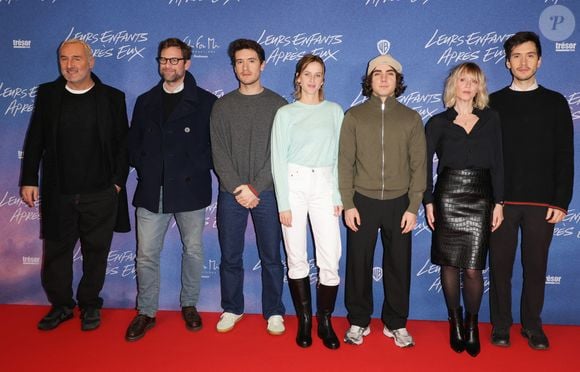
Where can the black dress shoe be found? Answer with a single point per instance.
(55, 316)
(138, 327)
(500, 337)
(90, 319)
(536, 339)
(191, 317)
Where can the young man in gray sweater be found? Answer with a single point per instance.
(241, 123)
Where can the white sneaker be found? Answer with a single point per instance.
(227, 322)
(401, 336)
(354, 335)
(276, 325)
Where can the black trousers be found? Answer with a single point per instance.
(90, 218)
(384, 215)
(536, 238)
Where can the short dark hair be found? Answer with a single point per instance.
(175, 42)
(520, 38)
(367, 87)
(240, 44)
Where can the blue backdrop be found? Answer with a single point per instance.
(427, 36)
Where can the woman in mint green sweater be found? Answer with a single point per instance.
(304, 165)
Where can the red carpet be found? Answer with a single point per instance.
(170, 347)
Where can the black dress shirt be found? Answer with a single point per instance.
(457, 149)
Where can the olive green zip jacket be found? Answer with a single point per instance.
(382, 153)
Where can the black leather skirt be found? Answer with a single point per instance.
(463, 206)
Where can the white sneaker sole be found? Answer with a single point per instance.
(388, 333)
(225, 330)
(351, 341)
(276, 333)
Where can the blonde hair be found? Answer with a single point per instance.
(481, 99)
(86, 47)
(300, 67)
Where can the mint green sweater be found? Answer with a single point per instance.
(305, 135)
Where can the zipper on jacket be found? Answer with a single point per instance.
(383, 150)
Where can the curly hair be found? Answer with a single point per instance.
(367, 88)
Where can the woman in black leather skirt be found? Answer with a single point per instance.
(466, 204)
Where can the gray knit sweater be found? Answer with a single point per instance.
(240, 138)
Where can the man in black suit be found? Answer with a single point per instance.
(79, 132)
(169, 146)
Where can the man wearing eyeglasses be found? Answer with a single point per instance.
(169, 146)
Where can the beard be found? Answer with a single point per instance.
(171, 76)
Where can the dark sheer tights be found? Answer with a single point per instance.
(472, 288)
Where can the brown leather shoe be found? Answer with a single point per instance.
(138, 327)
(191, 317)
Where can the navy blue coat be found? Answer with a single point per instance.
(175, 154)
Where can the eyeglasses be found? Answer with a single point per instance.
(173, 61)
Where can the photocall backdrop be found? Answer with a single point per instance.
(427, 36)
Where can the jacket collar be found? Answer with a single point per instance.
(451, 114)
(390, 102)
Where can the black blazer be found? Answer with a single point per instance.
(41, 144)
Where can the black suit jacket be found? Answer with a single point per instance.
(40, 146)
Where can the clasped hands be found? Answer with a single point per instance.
(245, 197)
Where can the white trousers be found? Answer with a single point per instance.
(310, 194)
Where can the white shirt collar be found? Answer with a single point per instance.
(77, 91)
(518, 89)
(176, 90)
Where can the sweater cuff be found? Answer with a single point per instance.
(253, 190)
(347, 199)
(414, 202)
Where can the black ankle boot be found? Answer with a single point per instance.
(471, 335)
(325, 301)
(300, 291)
(456, 339)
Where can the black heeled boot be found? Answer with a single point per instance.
(456, 339)
(471, 335)
(300, 291)
(325, 301)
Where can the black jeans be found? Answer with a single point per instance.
(536, 239)
(90, 218)
(386, 215)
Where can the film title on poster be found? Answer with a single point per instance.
(487, 47)
(289, 48)
(122, 44)
(194, 2)
(22, 212)
(426, 104)
(377, 3)
(20, 99)
(574, 103)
